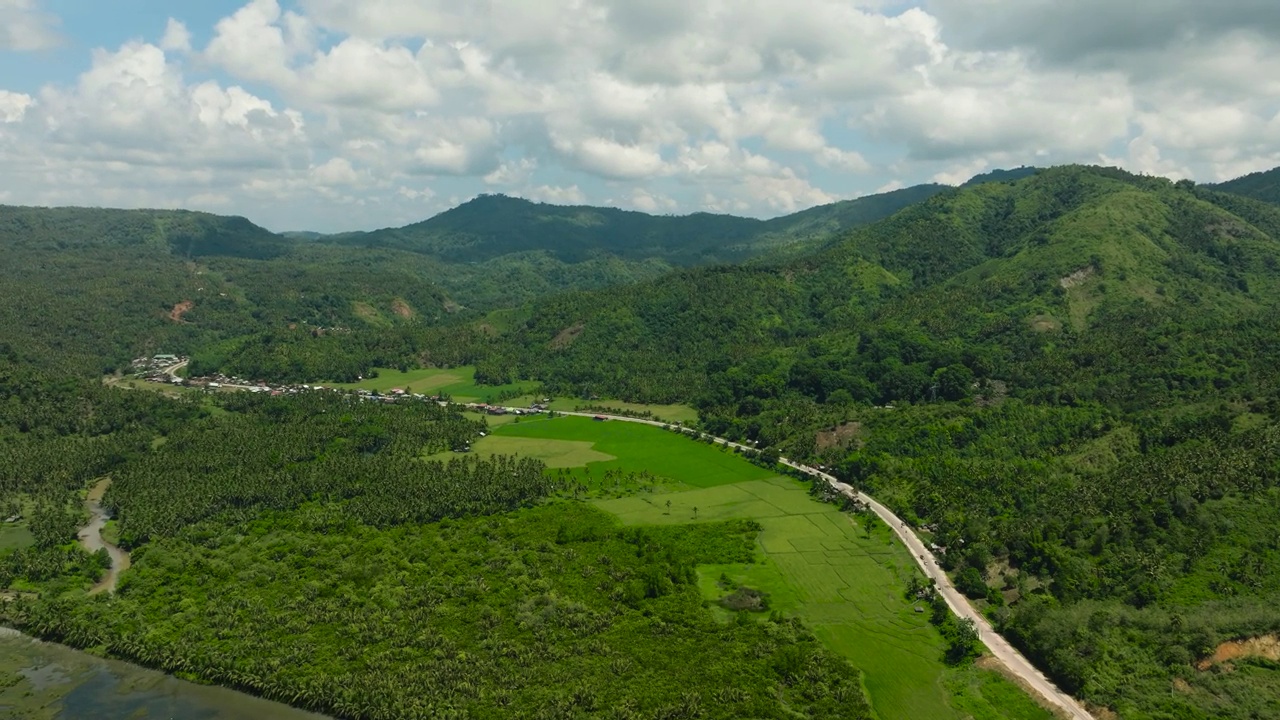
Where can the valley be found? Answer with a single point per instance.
(1006, 450)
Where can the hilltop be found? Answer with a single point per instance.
(1264, 186)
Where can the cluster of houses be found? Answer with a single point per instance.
(155, 368)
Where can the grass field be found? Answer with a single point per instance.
(459, 383)
(555, 453)
(636, 448)
(845, 581)
(665, 413)
(14, 536)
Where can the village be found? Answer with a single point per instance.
(163, 368)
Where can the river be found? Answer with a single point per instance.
(91, 538)
(44, 681)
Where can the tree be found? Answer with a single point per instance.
(954, 382)
(963, 641)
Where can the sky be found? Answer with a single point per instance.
(335, 115)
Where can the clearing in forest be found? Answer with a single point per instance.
(844, 576)
(555, 453)
(458, 382)
(639, 448)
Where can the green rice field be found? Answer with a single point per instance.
(842, 575)
(637, 448)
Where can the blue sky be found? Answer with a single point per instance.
(332, 115)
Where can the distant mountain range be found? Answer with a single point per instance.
(102, 283)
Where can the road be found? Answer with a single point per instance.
(1000, 648)
(172, 370)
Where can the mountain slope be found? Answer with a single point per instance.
(1264, 186)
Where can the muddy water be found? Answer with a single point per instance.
(42, 681)
(91, 538)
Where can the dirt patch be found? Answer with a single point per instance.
(841, 436)
(1267, 646)
(1077, 278)
(567, 336)
(401, 308)
(181, 309)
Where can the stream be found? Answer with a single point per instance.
(92, 541)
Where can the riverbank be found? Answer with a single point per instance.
(46, 681)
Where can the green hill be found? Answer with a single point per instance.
(1264, 186)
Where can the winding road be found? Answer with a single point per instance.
(1014, 661)
(92, 541)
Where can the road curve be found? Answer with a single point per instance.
(1000, 648)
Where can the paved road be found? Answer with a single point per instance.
(172, 370)
(999, 647)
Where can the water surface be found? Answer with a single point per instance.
(43, 681)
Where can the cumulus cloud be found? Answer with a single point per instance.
(177, 38)
(392, 109)
(24, 26)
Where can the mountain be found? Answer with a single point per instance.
(492, 226)
(1059, 249)
(94, 287)
(1264, 186)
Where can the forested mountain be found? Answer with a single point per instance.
(1050, 261)
(90, 288)
(492, 226)
(1263, 186)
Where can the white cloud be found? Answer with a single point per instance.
(392, 108)
(512, 173)
(24, 27)
(13, 106)
(177, 38)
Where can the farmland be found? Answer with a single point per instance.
(842, 575)
(639, 448)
